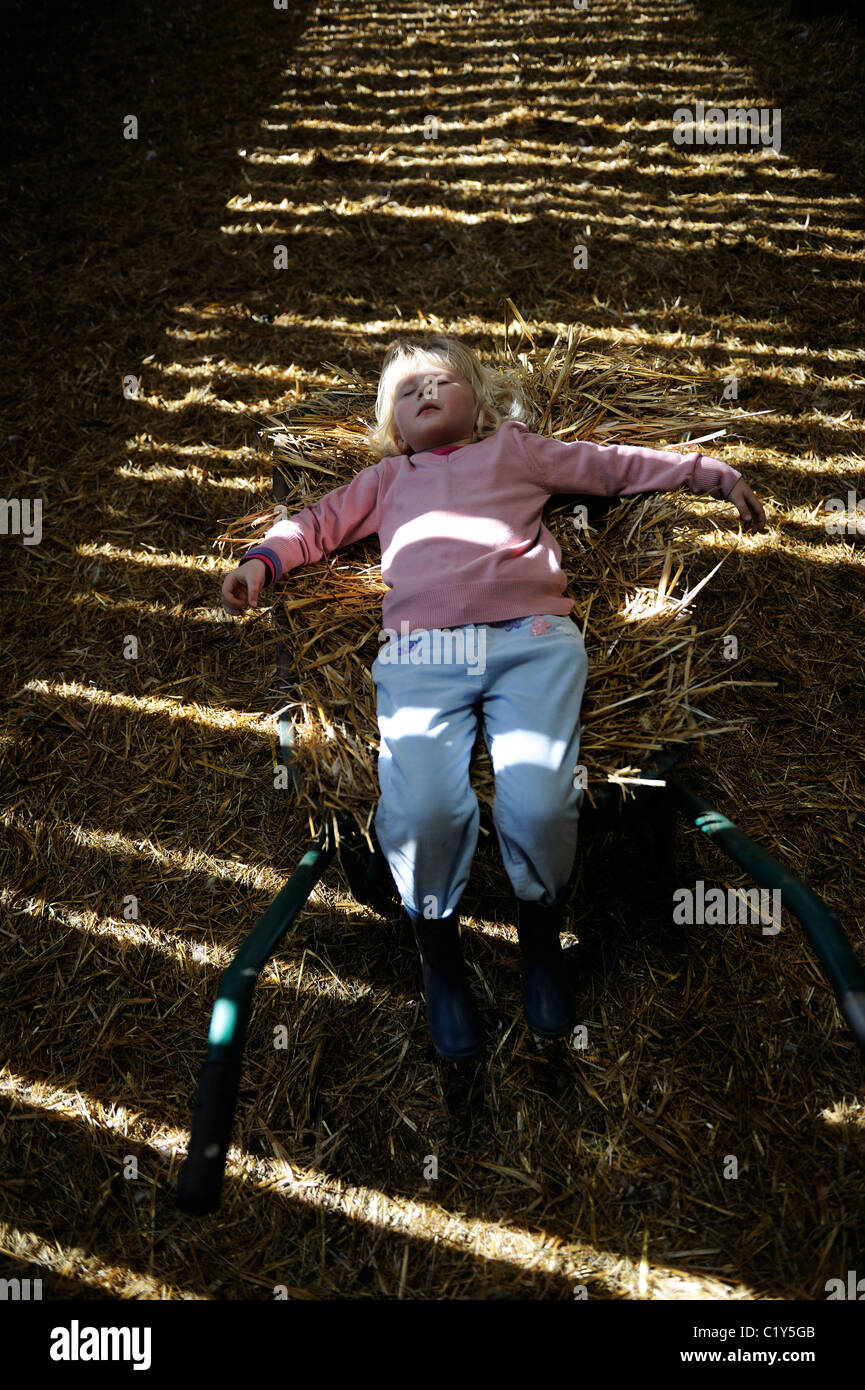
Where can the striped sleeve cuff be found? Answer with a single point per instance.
(268, 560)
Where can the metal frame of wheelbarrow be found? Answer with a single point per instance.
(200, 1183)
(654, 807)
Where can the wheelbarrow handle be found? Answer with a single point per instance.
(200, 1185)
(200, 1182)
(821, 926)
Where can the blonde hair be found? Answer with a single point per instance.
(498, 396)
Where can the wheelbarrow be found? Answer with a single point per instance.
(649, 815)
(651, 812)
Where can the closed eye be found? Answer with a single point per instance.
(442, 381)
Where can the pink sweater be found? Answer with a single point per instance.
(462, 539)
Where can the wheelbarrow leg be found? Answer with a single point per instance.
(654, 825)
(369, 876)
(380, 879)
(648, 822)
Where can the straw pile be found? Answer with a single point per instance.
(630, 571)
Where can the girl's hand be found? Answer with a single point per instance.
(749, 505)
(241, 586)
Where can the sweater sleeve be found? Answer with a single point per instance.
(617, 470)
(347, 514)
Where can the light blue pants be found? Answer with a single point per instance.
(526, 678)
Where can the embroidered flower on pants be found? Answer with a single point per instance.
(539, 626)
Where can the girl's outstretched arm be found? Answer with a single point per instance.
(349, 513)
(620, 470)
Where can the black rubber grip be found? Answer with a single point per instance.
(200, 1185)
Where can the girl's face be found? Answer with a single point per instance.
(434, 405)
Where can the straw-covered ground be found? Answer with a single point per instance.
(157, 361)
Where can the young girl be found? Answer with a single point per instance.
(478, 622)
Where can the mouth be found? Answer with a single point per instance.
(425, 408)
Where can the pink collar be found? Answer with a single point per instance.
(447, 448)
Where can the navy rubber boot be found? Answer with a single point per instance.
(548, 1000)
(452, 1016)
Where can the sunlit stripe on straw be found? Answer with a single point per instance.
(189, 861)
(70, 1262)
(159, 472)
(820, 550)
(487, 1240)
(343, 987)
(281, 1178)
(150, 704)
(154, 447)
(96, 1114)
(370, 1205)
(426, 1221)
(542, 326)
(137, 606)
(209, 370)
(201, 395)
(150, 558)
(125, 932)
